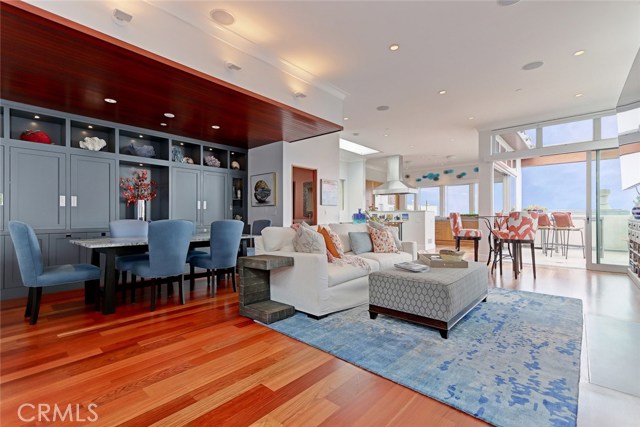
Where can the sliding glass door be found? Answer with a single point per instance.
(608, 210)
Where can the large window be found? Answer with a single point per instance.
(609, 127)
(498, 196)
(567, 133)
(556, 187)
(456, 199)
(430, 199)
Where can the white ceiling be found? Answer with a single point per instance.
(473, 49)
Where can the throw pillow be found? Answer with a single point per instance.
(360, 242)
(394, 231)
(337, 241)
(382, 241)
(309, 241)
(331, 247)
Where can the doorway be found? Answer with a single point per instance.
(304, 191)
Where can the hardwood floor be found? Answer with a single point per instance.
(203, 364)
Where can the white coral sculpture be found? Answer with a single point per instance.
(93, 143)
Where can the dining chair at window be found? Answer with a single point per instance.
(35, 275)
(128, 228)
(256, 230)
(168, 246)
(563, 226)
(459, 233)
(522, 228)
(499, 232)
(223, 252)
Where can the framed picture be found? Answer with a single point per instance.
(329, 192)
(262, 189)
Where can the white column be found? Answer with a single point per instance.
(485, 188)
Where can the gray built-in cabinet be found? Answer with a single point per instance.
(66, 192)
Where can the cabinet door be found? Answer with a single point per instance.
(2, 169)
(12, 278)
(63, 252)
(92, 196)
(214, 196)
(185, 190)
(37, 188)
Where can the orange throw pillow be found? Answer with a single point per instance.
(331, 247)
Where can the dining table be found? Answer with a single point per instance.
(112, 247)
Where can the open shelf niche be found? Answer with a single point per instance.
(157, 208)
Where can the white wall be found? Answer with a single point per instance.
(353, 174)
(320, 153)
(156, 30)
(267, 159)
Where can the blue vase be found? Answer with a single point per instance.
(359, 217)
(636, 212)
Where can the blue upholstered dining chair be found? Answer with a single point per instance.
(35, 275)
(223, 255)
(256, 230)
(128, 228)
(168, 246)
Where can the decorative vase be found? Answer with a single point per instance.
(359, 218)
(141, 210)
(636, 212)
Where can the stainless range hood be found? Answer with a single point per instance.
(394, 184)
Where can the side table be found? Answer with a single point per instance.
(255, 291)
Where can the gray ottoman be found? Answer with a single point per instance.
(437, 298)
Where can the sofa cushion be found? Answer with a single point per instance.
(278, 239)
(360, 242)
(386, 260)
(342, 230)
(343, 272)
(382, 241)
(309, 241)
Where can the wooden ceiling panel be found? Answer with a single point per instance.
(54, 63)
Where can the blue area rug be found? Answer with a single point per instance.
(512, 361)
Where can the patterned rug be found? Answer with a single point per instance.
(512, 361)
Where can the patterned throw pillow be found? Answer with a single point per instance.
(382, 241)
(394, 231)
(309, 241)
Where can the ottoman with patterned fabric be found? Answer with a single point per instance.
(438, 298)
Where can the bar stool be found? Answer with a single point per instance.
(564, 224)
(522, 228)
(499, 232)
(545, 226)
(460, 233)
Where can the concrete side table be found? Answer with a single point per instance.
(255, 291)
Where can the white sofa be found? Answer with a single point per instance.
(317, 287)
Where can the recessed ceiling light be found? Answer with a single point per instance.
(471, 117)
(532, 65)
(346, 118)
(140, 164)
(36, 116)
(578, 53)
(232, 153)
(451, 157)
(442, 92)
(386, 134)
(299, 94)
(394, 47)
(382, 108)
(356, 133)
(169, 115)
(411, 146)
(182, 143)
(90, 127)
(578, 95)
(215, 127)
(163, 124)
(518, 90)
(222, 17)
(121, 17)
(210, 149)
(110, 100)
(140, 136)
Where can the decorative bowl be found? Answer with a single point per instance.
(451, 255)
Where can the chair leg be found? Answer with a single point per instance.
(155, 283)
(501, 243)
(30, 298)
(233, 278)
(457, 243)
(533, 259)
(192, 280)
(180, 284)
(35, 306)
(133, 288)
(208, 277)
(475, 250)
(515, 258)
